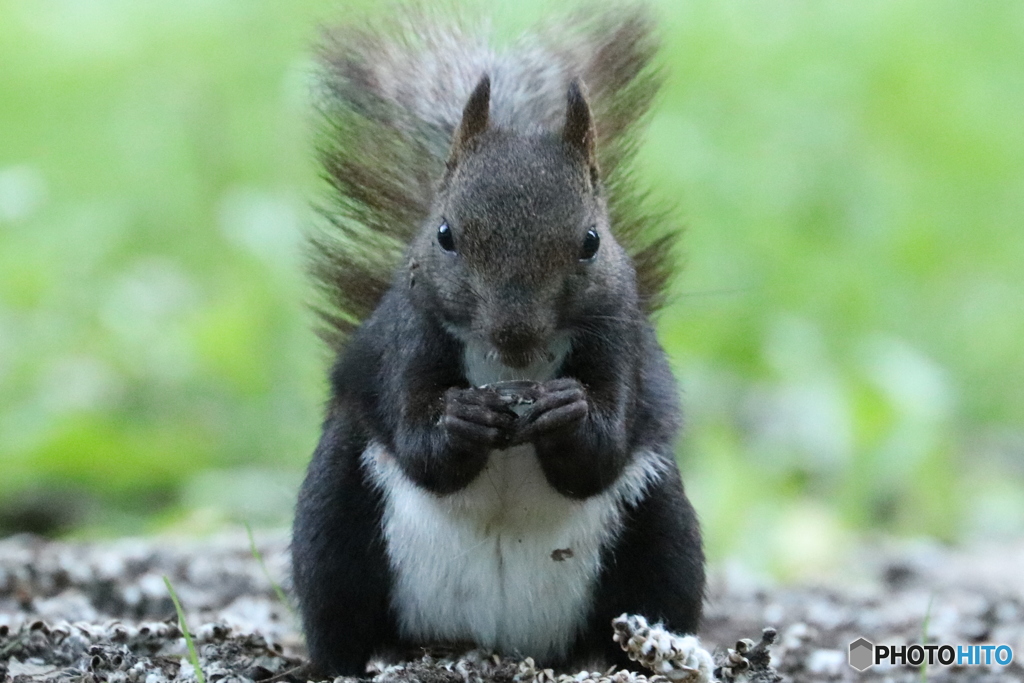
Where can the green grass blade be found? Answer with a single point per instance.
(193, 656)
(266, 572)
(924, 636)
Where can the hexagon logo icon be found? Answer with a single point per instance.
(862, 654)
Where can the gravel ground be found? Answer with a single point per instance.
(101, 612)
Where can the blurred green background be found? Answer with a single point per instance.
(848, 328)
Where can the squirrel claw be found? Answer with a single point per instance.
(562, 404)
(477, 416)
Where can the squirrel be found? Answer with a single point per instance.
(496, 465)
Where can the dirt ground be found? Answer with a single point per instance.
(101, 612)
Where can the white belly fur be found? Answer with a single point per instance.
(507, 563)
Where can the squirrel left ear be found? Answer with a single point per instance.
(579, 132)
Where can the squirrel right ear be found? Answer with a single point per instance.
(579, 132)
(474, 120)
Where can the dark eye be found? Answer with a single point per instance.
(445, 237)
(590, 244)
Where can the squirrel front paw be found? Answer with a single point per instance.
(477, 418)
(559, 404)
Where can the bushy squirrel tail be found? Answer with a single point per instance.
(392, 95)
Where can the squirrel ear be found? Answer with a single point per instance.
(579, 132)
(474, 120)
